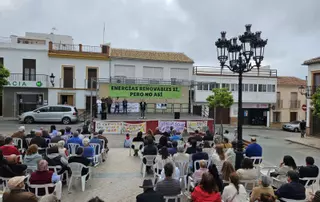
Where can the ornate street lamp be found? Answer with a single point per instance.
(306, 91)
(240, 56)
(52, 79)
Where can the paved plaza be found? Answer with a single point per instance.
(118, 179)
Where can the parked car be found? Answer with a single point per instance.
(56, 113)
(293, 126)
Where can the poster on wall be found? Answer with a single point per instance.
(145, 91)
(201, 126)
(132, 107)
(109, 127)
(161, 106)
(134, 128)
(164, 126)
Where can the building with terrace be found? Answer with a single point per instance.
(259, 93)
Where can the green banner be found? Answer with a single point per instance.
(144, 91)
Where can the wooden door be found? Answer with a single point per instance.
(293, 116)
(68, 77)
(92, 74)
(70, 100)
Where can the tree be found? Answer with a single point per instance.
(221, 97)
(315, 100)
(4, 74)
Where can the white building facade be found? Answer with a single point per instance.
(259, 93)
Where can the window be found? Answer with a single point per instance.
(226, 85)
(205, 86)
(213, 85)
(251, 87)
(92, 75)
(125, 70)
(234, 87)
(276, 117)
(1, 61)
(271, 88)
(29, 69)
(179, 73)
(199, 85)
(44, 109)
(152, 72)
(66, 109)
(245, 87)
(56, 109)
(262, 88)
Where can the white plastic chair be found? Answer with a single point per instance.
(76, 169)
(255, 159)
(36, 188)
(5, 183)
(97, 153)
(184, 170)
(176, 198)
(291, 200)
(18, 143)
(48, 140)
(157, 138)
(31, 169)
(52, 145)
(266, 170)
(89, 136)
(249, 184)
(314, 181)
(28, 140)
(197, 162)
(72, 147)
(56, 169)
(191, 184)
(149, 162)
(136, 146)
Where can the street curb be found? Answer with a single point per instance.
(248, 127)
(304, 144)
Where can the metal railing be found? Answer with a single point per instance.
(215, 71)
(128, 80)
(279, 104)
(294, 104)
(28, 77)
(76, 48)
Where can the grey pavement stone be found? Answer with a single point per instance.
(307, 141)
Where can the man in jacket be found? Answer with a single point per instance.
(143, 107)
(310, 170)
(18, 192)
(80, 159)
(253, 149)
(21, 134)
(148, 193)
(199, 156)
(39, 140)
(75, 139)
(293, 189)
(302, 127)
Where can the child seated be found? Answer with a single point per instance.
(127, 141)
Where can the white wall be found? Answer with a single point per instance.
(139, 64)
(311, 68)
(247, 97)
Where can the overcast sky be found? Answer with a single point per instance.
(190, 26)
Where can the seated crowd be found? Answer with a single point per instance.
(211, 174)
(43, 158)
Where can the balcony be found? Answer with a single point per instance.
(294, 104)
(79, 51)
(28, 80)
(67, 83)
(216, 71)
(129, 80)
(279, 104)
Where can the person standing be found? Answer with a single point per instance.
(125, 106)
(116, 105)
(303, 126)
(109, 103)
(143, 106)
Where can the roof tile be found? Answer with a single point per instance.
(290, 80)
(150, 55)
(312, 61)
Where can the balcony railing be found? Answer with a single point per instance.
(279, 104)
(28, 77)
(216, 71)
(294, 104)
(128, 80)
(79, 48)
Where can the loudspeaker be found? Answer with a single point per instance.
(177, 115)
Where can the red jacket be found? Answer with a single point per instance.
(199, 195)
(7, 150)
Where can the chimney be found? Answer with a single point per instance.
(106, 49)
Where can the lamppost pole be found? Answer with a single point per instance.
(239, 56)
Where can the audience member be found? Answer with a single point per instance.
(85, 130)
(310, 170)
(75, 139)
(9, 147)
(62, 150)
(148, 193)
(230, 153)
(138, 138)
(163, 141)
(32, 156)
(175, 136)
(247, 170)
(234, 191)
(263, 188)
(196, 136)
(15, 166)
(218, 158)
(197, 175)
(193, 148)
(49, 198)
(101, 137)
(226, 170)
(95, 139)
(39, 140)
(150, 134)
(68, 131)
(96, 199)
(18, 191)
(184, 132)
(45, 134)
(208, 136)
(157, 131)
(316, 197)
(207, 148)
(2, 139)
(162, 158)
(199, 156)
(54, 158)
(57, 138)
(88, 151)
(150, 148)
(293, 189)
(53, 128)
(32, 134)
(45, 176)
(21, 134)
(127, 142)
(214, 172)
(253, 149)
(5, 170)
(180, 156)
(287, 164)
(207, 190)
(173, 149)
(168, 186)
(264, 197)
(80, 159)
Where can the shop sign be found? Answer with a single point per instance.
(145, 91)
(33, 84)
